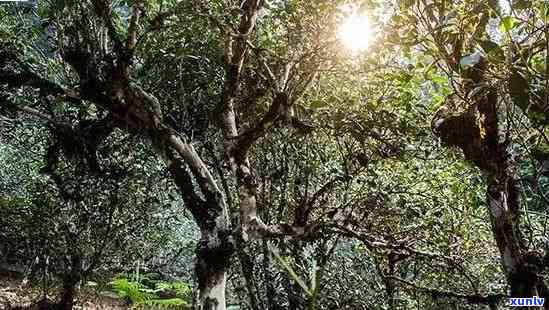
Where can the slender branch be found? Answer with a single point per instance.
(132, 28)
(372, 242)
(37, 113)
(437, 293)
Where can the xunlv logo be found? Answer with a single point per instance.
(528, 302)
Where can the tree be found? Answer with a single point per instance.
(70, 220)
(473, 118)
(280, 142)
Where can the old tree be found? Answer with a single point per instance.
(330, 154)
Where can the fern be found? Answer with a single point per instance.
(131, 290)
(140, 294)
(181, 289)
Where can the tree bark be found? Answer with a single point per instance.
(212, 264)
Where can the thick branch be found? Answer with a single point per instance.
(205, 180)
(104, 11)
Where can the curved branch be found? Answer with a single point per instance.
(491, 299)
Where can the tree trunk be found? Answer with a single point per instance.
(213, 256)
(216, 246)
(212, 277)
(522, 267)
(66, 302)
(70, 280)
(508, 239)
(477, 131)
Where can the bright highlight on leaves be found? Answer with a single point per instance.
(507, 23)
(356, 33)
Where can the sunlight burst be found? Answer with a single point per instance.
(356, 33)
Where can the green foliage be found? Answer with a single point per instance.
(181, 289)
(370, 162)
(507, 23)
(292, 273)
(140, 294)
(131, 290)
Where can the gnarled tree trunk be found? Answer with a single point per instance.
(216, 246)
(212, 263)
(475, 128)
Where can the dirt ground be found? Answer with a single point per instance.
(17, 293)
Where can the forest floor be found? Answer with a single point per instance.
(15, 292)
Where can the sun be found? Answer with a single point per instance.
(356, 33)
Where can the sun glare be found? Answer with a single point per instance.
(356, 33)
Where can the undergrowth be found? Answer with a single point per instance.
(146, 290)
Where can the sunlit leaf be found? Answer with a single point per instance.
(507, 23)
